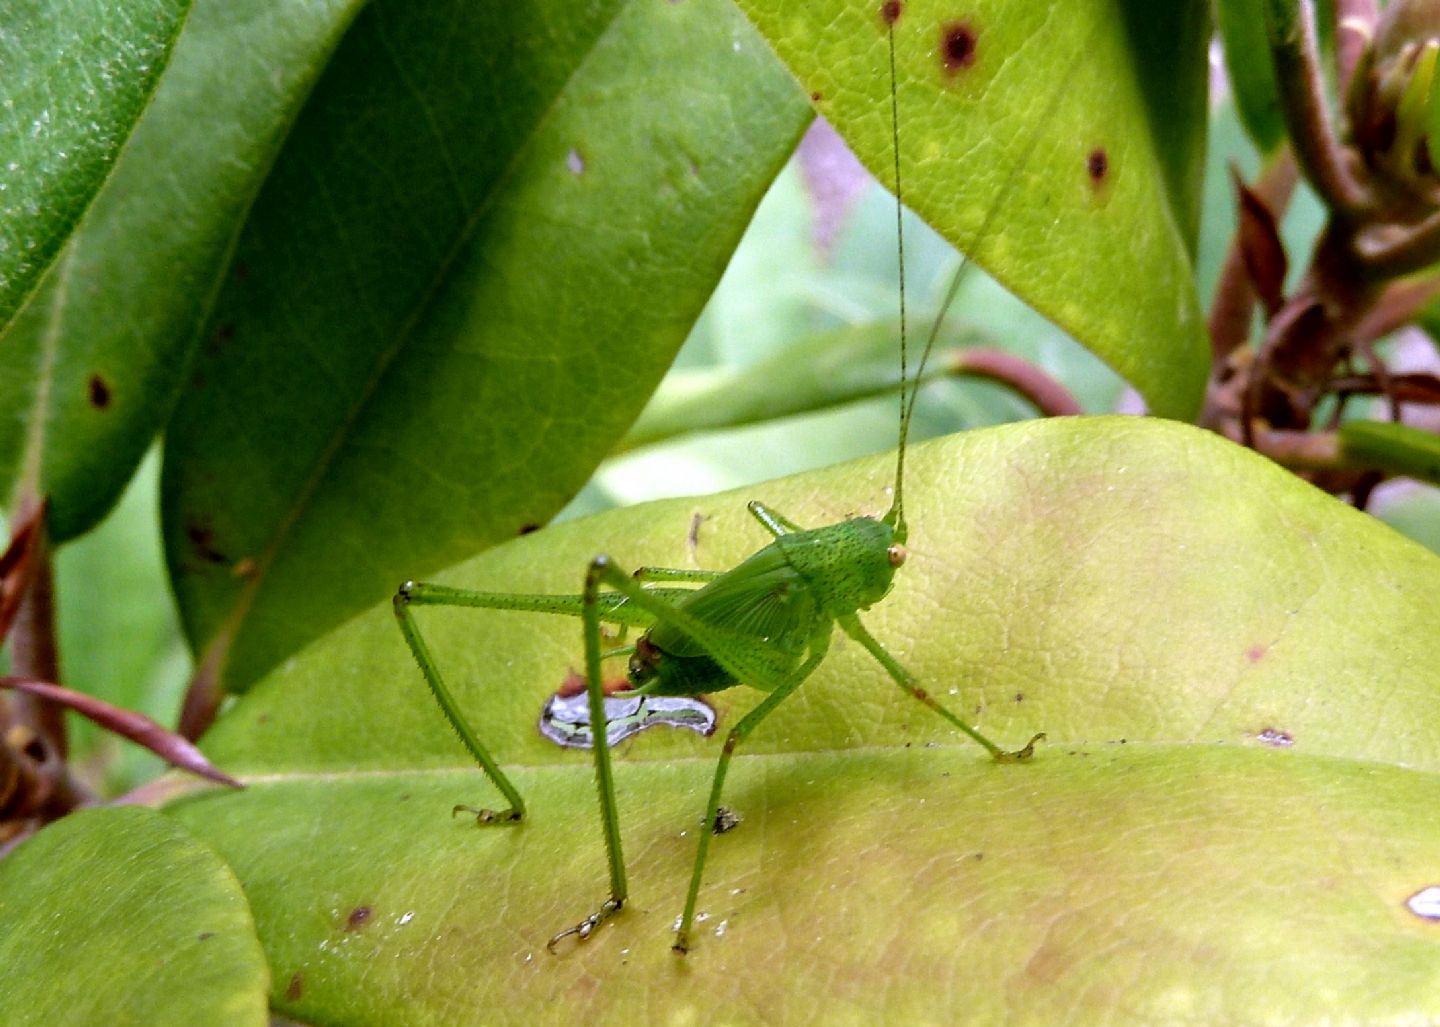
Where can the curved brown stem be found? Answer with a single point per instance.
(1046, 394)
(1290, 27)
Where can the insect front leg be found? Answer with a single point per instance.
(851, 626)
(417, 594)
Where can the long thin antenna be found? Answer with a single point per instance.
(896, 515)
(890, 10)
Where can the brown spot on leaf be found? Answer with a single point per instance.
(529, 527)
(890, 11)
(295, 988)
(358, 918)
(205, 936)
(958, 43)
(1097, 165)
(202, 541)
(219, 337)
(99, 392)
(816, 96)
(573, 683)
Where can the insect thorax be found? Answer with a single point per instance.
(849, 565)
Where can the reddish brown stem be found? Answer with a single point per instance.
(1046, 394)
(1302, 95)
(33, 650)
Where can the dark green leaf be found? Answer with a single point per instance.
(482, 245)
(77, 75)
(94, 362)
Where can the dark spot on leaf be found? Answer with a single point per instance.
(726, 819)
(241, 271)
(219, 337)
(205, 936)
(692, 538)
(978, 857)
(99, 392)
(295, 988)
(529, 527)
(958, 42)
(890, 11)
(1098, 164)
(202, 541)
(816, 97)
(1019, 696)
(359, 917)
(1274, 736)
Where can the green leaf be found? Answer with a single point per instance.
(95, 361)
(1251, 72)
(1394, 448)
(77, 75)
(126, 651)
(118, 917)
(1063, 151)
(1243, 757)
(819, 371)
(482, 245)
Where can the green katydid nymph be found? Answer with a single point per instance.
(766, 623)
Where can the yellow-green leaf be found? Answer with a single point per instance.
(1230, 822)
(121, 917)
(1060, 145)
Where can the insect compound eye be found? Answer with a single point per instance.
(897, 555)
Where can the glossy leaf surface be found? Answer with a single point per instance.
(1236, 673)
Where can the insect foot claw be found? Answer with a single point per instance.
(586, 927)
(1021, 755)
(486, 817)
